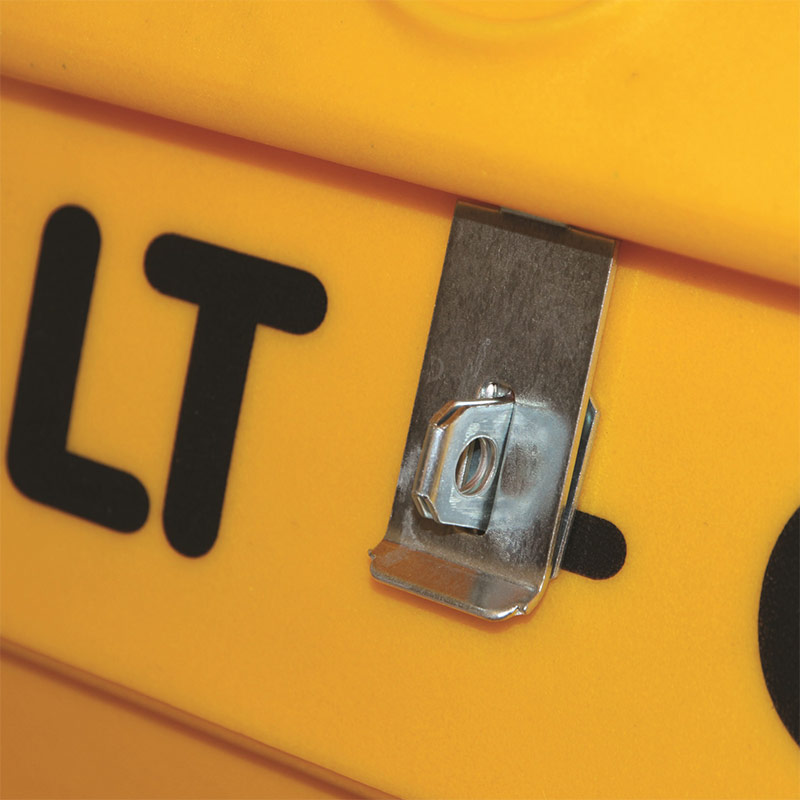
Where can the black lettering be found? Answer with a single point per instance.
(595, 548)
(38, 461)
(234, 292)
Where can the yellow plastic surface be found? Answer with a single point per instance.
(674, 124)
(63, 740)
(645, 685)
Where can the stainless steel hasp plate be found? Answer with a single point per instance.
(500, 424)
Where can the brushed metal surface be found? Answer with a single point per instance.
(521, 303)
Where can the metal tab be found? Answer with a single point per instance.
(487, 486)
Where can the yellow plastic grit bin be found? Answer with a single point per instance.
(336, 137)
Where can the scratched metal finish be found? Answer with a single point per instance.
(521, 303)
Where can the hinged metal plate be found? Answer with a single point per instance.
(520, 303)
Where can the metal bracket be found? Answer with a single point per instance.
(488, 484)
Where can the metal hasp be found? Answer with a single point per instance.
(502, 419)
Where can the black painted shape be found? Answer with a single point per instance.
(779, 626)
(595, 548)
(234, 292)
(38, 461)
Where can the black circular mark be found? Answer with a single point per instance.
(779, 626)
(595, 549)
